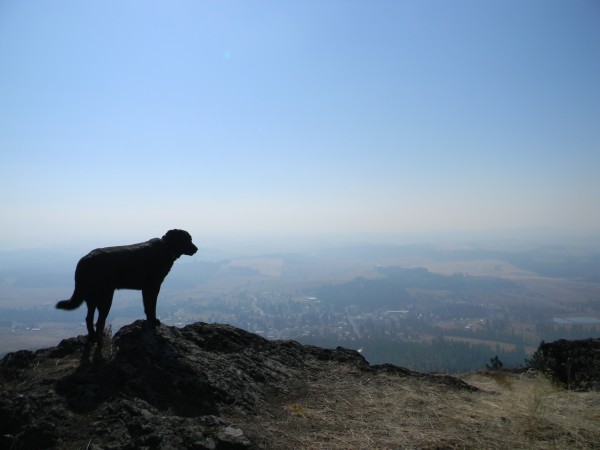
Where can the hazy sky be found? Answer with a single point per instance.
(127, 118)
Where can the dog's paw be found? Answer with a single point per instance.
(91, 339)
(153, 322)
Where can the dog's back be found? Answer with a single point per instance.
(125, 267)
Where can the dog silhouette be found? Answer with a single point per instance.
(141, 266)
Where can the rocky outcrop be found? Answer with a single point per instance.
(158, 387)
(576, 364)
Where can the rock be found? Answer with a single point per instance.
(447, 380)
(232, 437)
(576, 364)
(155, 387)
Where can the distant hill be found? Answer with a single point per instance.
(219, 387)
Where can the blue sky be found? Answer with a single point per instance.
(126, 118)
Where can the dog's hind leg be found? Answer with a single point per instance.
(104, 304)
(89, 318)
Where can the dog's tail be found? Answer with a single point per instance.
(73, 303)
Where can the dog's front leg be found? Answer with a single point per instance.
(150, 296)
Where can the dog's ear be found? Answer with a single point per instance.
(169, 235)
(177, 236)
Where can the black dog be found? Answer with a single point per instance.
(141, 266)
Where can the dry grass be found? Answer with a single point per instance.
(347, 409)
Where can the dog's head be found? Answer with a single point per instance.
(180, 243)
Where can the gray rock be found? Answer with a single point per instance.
(153, 387)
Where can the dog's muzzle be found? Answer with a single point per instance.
(191, 250)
